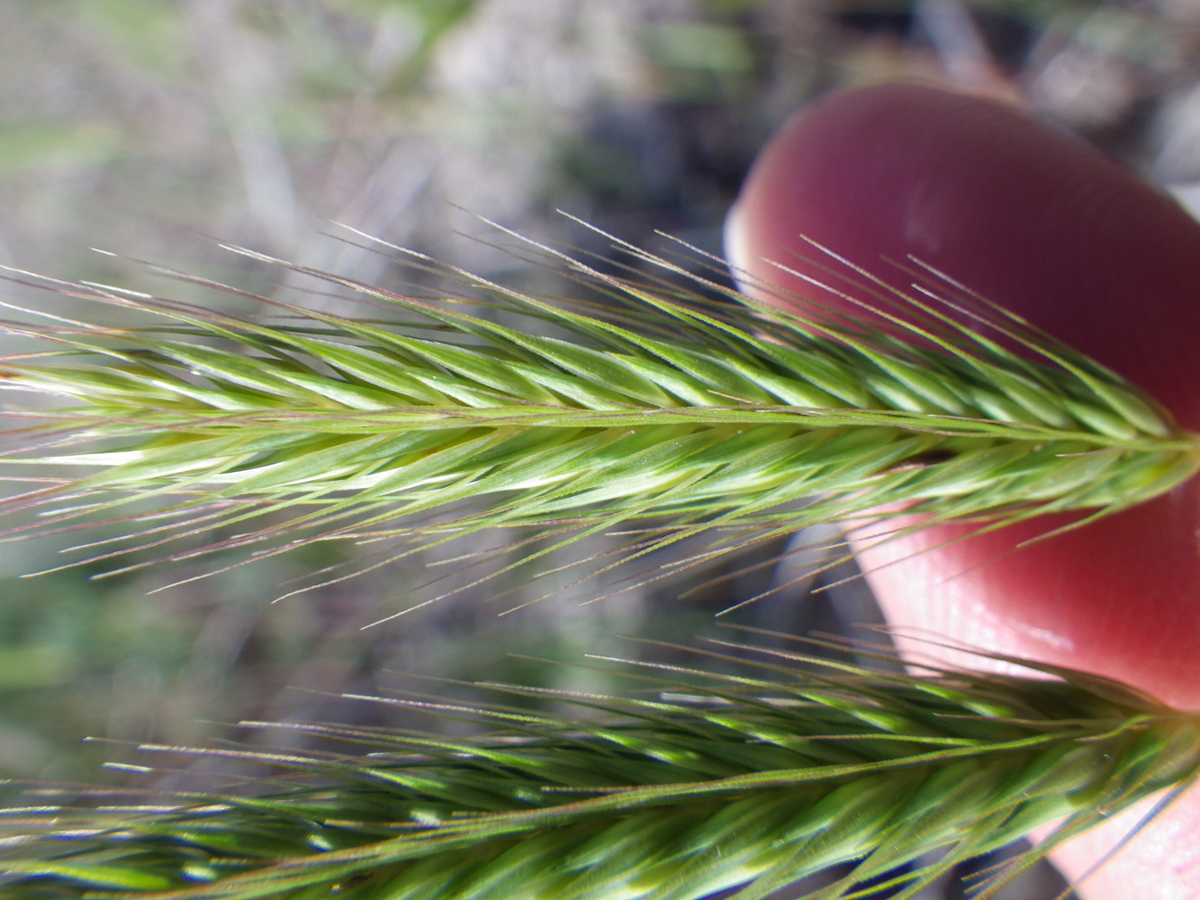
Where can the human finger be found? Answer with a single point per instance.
(1055, 231)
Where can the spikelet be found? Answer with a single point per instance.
(677, 409)
(758, 778)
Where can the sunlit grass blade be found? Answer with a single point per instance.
(757, 776)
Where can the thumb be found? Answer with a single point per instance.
(1057, 232)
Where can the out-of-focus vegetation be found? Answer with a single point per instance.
(147, 127)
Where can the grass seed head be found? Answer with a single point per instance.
(755, 778)
(666, 401)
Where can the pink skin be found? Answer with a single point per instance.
(1055, 231)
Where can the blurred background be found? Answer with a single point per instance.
(152, 127)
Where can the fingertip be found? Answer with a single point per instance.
(1052, 229)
